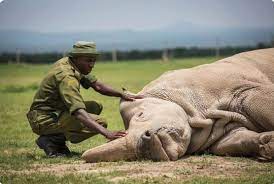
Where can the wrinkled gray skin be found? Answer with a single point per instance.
(225, 108)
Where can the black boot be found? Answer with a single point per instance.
(60, 141)
(54, 145)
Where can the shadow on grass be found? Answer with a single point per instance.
(73, 154)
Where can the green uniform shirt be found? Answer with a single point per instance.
(60, 89)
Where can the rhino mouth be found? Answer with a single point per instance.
(163, 144)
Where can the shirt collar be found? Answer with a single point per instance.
(76, 71)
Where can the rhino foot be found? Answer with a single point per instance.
(266, 147)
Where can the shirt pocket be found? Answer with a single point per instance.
(32, 118)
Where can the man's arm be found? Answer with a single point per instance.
(69, 92)
(108, 91)
(83, 116)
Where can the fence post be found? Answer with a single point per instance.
(18, 56)
(165, 55)
(217, 48)
(114, 55)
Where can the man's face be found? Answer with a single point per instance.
(84, 64)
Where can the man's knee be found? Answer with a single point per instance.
(82, 133)
(75, 138)
(93, 107)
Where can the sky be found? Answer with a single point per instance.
(93, 15)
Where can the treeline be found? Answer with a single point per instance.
(133, 55)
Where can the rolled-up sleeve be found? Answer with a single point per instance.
(69, 90)
(86, 80)
(91, 78)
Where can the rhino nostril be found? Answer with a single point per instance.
(146, 136)
(147, 133)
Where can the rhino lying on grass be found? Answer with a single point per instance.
(224, 108)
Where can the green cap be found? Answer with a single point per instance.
(83, 48)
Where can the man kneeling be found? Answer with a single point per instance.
(58, 112)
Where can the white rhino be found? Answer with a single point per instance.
(224, 108)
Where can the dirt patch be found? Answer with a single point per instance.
(210, 166)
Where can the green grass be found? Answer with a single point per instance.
(50, 179)
(18, 153)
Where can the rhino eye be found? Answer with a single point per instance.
(141, 116)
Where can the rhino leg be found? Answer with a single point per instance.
(243, 142)
(222, 119)
(258, 105)
(266, 147)
(203, 128)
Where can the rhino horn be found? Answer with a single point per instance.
(112, 151)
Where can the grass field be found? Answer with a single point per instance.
(22, 162)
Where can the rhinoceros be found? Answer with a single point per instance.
(222, 108)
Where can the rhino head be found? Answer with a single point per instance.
(157, 129)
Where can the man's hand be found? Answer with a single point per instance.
(107, 90)
(83, 116)
(131, 97)
(111, 135)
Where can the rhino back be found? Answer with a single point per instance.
(205, 84)
(262, 60)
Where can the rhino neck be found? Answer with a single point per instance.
(191, 103)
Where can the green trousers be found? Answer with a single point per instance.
(73, 129)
